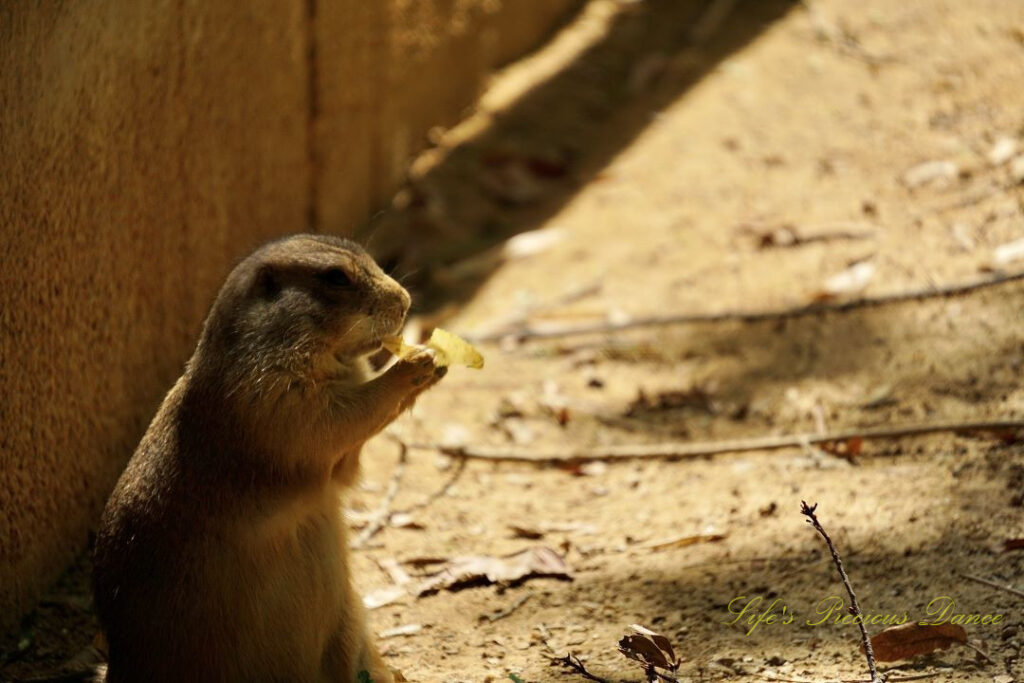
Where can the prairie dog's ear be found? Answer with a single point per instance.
(265, 284)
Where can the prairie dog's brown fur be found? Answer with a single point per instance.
(221, 555)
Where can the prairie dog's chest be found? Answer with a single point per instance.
(299, 553)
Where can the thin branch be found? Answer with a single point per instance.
(682, 449)
(571, 661)
(460, 466)
(980, 652)
(993, 584)
(383, 514)
(808, 511)
(502, 613)
(526, 333)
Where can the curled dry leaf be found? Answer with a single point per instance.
(912, 639)
(461, 572)
(649, 648)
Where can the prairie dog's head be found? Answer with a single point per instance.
(305, 306)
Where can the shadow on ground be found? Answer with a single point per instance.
(535, 155)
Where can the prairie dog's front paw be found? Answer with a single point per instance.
(421, 368)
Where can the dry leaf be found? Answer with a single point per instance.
(461, 572)
(393, 569)
(403, 520)
(912, 639)
(1013, 544)
(383, 596)
(649, 648)
(1006, 254)
(406, 630)
(853, 280)
(525, 532)
(533, 242)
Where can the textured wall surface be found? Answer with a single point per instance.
(403, 67)
(147, 145)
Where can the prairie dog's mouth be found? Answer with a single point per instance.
(367, 337)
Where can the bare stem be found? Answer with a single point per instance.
(808, 511)
(527, 333)
(571, 661)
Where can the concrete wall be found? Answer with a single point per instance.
(145, 146)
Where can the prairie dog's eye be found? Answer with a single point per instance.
(335, 277)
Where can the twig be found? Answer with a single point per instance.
(527, 333)
(980, 652)
(993, 584)
(682, 449)
(571, 661)
(460, 466)
(383, 514)
(502, 613)
(791, 236)
(808, 511)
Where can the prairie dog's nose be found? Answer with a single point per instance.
(405, 301)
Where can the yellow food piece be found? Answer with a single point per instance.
(396, 345)
(449, 348)
(454, 349)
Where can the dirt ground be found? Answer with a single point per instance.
(682, 162)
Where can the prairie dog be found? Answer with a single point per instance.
(221, 554)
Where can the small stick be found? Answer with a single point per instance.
(980, 652)
(527, 334)
(502, 613)
(571, 661)
(681, 449)
(993, 584)
(383, 514)
(441, 492)
(808, 511)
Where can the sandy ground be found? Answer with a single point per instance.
(737, 167)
